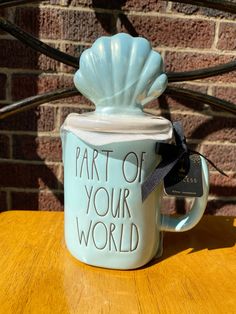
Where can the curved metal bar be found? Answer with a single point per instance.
(34, 101)
(222, 5)
(173, 91)
(11, 3)
(201, 73)
(38, 45)
(201, 98)
(51, 52)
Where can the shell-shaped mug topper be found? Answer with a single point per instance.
(120, 74)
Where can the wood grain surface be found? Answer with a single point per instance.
(197, 273)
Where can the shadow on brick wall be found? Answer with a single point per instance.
(113, 22)
(28, 171)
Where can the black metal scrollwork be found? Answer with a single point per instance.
(36, 44)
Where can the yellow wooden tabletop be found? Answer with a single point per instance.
(197, 273)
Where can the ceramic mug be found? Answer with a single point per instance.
(109, 153)
(106, 222)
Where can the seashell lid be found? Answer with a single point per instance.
(120, 74)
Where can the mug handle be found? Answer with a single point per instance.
(188, 221)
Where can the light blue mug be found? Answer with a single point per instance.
(108, 154)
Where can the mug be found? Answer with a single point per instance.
(106, 222)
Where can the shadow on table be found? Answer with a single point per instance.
(211, 233)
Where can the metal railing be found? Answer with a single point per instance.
(39, 46)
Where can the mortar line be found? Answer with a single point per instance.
(181, 49)
(212, 197)
(8, 199)
(59, 176)
(4, 102)
(10, 145)
(8, 88)
(203, 83)
(197, 50)
(200, 82)
(6, 36)
(168, 48)
(57, 119)
(30, 162)
(221, 198)
(39, 73)
(210, 91)
(202, 114)
(31, 190)
(130, 12)
(169, 7)
(216, 37)
(33, 133)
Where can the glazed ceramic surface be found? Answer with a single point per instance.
(109, 153)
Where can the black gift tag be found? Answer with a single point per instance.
(185, 179)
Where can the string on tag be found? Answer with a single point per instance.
(171, 155)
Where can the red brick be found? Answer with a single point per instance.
(42, 23)
(3, 12)
(221, 208)
(47, 64)
(68, 110)
(223, 186)
(222, 155)
(184, 61)
(3, 81)
(28, 176)
(172, 205)
(144, 6)
(207, 128)
(227, 36)
(45, 118)
(6, 13)
(73, 50)
(4, 146)
(14, 54)
(86, 26)
(174, 103)
(50, 23)
(51, 201)
(185, 8)
(3, 201)
(173, 32)
(168, 206)
(39, 119)
(227, 93)
(224, 93)
(215, 207)
(37, 201)
(27, 147)
(25, 85)
(46, 83)
(189, 9)
(75, 100)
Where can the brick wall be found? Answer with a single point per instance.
(188, 37)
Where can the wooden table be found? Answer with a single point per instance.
(197, 273)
